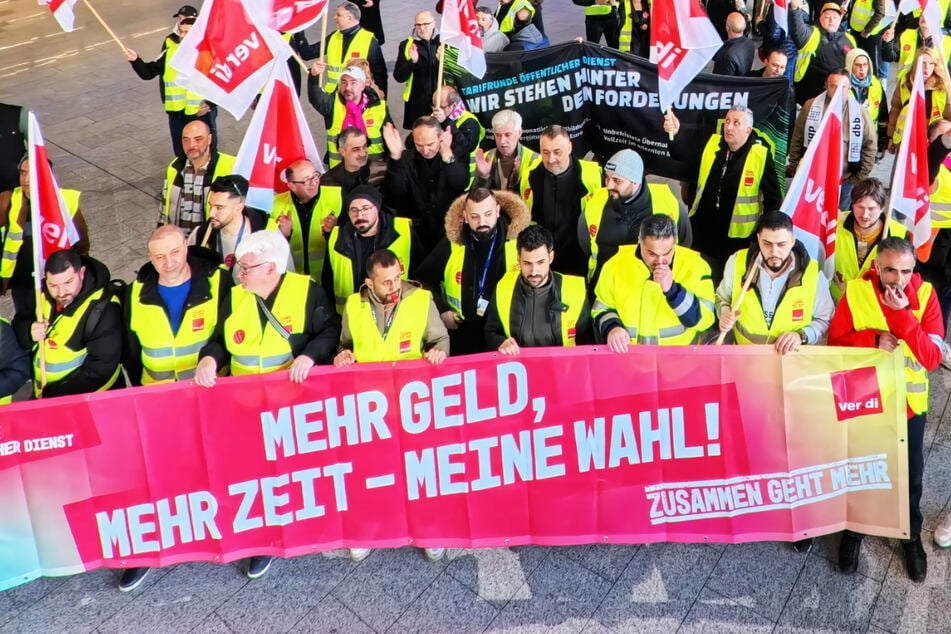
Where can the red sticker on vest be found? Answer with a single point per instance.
(459, 277)
(528, 193)
(238, 336)
(571, 332)
(748, 178)
(355, 54)
(369, 121)
(593, 230)
(52, 344)
(907, 47)
(797, 311)
(198, 324)
(405, 343)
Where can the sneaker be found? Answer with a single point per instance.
(916, 562)
(359, 554)
(434, 554)
(257, 566)
(849, 553)
(132, 579)
(803, 545)
(942, 534)
(945, 355)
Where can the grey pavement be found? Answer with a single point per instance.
(108, 137)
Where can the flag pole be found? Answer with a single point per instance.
(739, 300)
(37, 250)
(323, 43)
(441, 54)
(105, 26)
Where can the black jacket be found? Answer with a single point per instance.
(424, 74)
(735, 58)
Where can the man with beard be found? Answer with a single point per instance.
(479, 248)
(304, 214)
(417, 66)
(614, 214)
(890, 308)
(351, 243)
(536, 306)
(189, 176)
(655, 292)
(858, 234)
(355, 167)
(736, 181)
(508, 165)
(788, 304)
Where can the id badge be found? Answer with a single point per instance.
(482, 306)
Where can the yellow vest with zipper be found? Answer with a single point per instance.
(337, 58)
(13, 240)
(527, 161)
(404, 339)
(862, 12)
(452, 280)
(223, 167)
(258, 348)
(573, 294)
(329, 201)
(591, 178)
(748, 207)
(793, 313)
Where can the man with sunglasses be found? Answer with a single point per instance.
(274, 321)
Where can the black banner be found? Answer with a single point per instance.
(608, 100)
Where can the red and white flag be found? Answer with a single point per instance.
(683, 40)
(781, 14)
(227, 56)
(291, 16)
(813, 197)
(63, 12)
(277, 136)
(932, 15)
(909, 198)
(460, 29)
(53, 227)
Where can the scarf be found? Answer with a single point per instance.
(855, 127)
(354, 116)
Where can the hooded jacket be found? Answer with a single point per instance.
(494, 40)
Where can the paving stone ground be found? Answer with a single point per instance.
(108, 137)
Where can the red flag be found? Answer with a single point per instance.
(53, 227)
(291, 16)
(227, 56)
(63, 12)
(460, 29)
(682, 42)
(277, 136)
(813, 197)
(910, 198)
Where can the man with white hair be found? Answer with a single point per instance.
(507, 166)
(275, 321)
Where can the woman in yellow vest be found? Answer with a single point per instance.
(937, 84)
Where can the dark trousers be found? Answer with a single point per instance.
(916, 469)
(178, 120)
(606, 25)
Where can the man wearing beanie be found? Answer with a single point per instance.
(615, 212)
(350, 245)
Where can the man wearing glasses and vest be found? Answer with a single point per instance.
(890, 308)
(274, 321)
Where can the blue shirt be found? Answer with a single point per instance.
(174, 298)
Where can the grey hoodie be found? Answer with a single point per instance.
(493, 40)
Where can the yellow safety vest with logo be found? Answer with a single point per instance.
(873, 98)
(748, 206)
(640, 303)
(258, 348)
(61, 360)
(466, 116)
(452, 279)
(862, 12)
(793, 313)
(176, 97)
(13, 240)
(591, 174)
(941, 199)
(342, 266)
(527, 161)
(939, 99)
(404, 339)
(908, 46)
(507, 25)
(807, 52)
(373, 118)
(867, 315)
(329, 201)
(337, 58)
(168, 356)
(224, 166)
(663, 201)
(847, 259)
(573, 293)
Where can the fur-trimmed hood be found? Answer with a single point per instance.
(513, 209)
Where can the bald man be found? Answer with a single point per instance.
(189, 175)
(417, 66)
(736, 56)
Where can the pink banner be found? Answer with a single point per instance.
(551, 447)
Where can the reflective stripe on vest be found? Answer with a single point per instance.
(627, 288)
(793, 313)
(527, 161)
(452, 279)
(467, 116)
(626, 37)
(61, 360)
(404, 339)
(13, 240)
(409, 82)
(373, 118)
(748, 207)
(167, 356)
(862, 12)
(867, 315)
(941, 199)
(337, 58)
(176, 97)
(663, 201)
(328, 202)
(573, 294)
(847, 259)
(258, 348)
(342, 267)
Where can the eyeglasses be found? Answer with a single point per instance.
(244, 268)
(359, 211)
(310, 180)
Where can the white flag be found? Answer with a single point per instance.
(63, 12)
